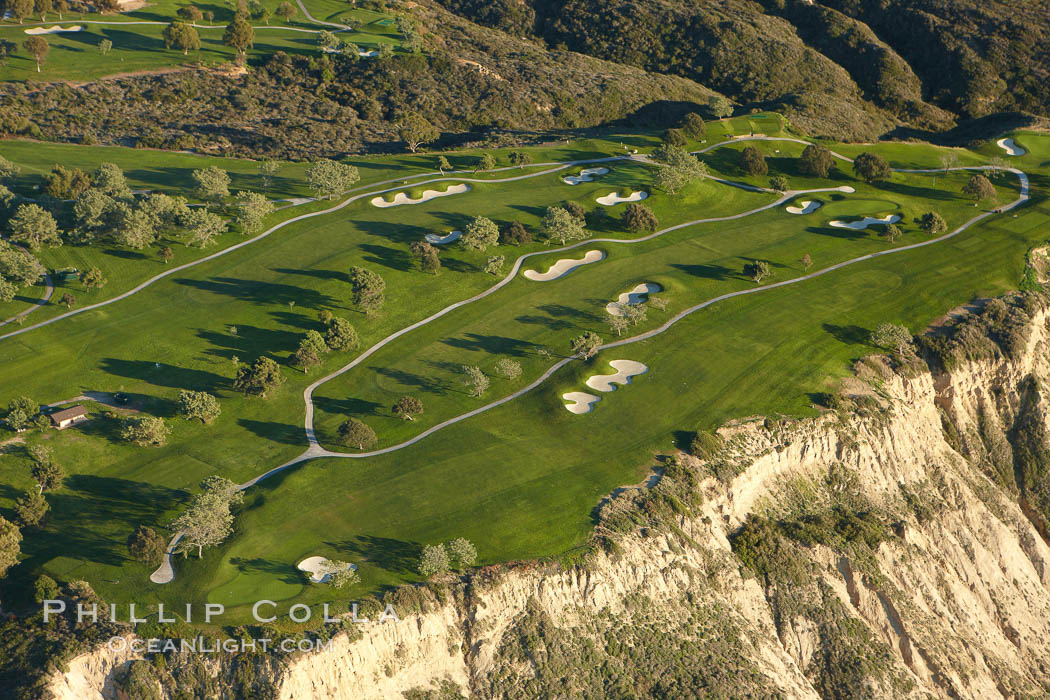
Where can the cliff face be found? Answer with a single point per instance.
(894, 558)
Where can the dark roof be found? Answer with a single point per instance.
(65, 414)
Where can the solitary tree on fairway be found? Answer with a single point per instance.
(480, 234)
(720, 107)
(778, 183)
(207, 522)
(340, 335)
(816, 160)
(146, 545)
(807, 262)
(891, 232)
(93, 279)
(269, 169)
(166, 254)
(949, 160)
(10, 545)
(408, 407)
(145, 431)
(561, 226)
(443, 164)
(259, 377)
(182, 36)
(305, 357)
(979, 187)
(618, 323)
(239, 35)
(68, 300)
(105, 46)
(753, 162)
(428, 256)
(45, 471)
(508, 368)
(367, 290)
(37, 47)
(515, 233)
(20, 412)
(871, 167)
(190, 13)
(475, 380)
(31, 508)
(485, 162)
(286, 11)
(585, 345)
(520, 158)
(354, 433)
(693, 125)
(494, 265)
(674, 137)
(415, 131)
(328, 177)
(681, 169)
(198, 405)
(758, 270)
(931, 222)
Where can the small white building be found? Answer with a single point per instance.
(69, 416)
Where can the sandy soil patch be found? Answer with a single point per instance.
(449, 237)
(635, 296)
(55, 29)
(587, 175)
(564, 267)
(1011, 147)
(805, 207)
(865, 222)
(403, 198)
(614, 198)
(582, 402)
(318, 569)
(625, 369)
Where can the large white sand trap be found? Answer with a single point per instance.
(584, 176)
(805, 207)
(625, 369)
(403, 198)
(865, 222)
(1011, 147)
(55, 29)
(582, 402)
(846, 188)
(635, 296)
(449, 237)
(318, 569)
(614, 198)
(368, 54)
(564, 267)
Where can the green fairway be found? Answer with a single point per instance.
(521, 480)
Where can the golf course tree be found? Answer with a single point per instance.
(515, 233)
(93, 279)
(428, 256)
(366, 288)
(45, 470)
(494, 264)
(485, 162)
(252, 209)
(434, 560)
(45, 588)
(752, 161)
(20, 413)
(181, 35)
(576, 210)
(618, 323)
(871, 167)
(757, 270)
(105, 46)
(674, 137)
(443, 164)
(31, 509)
(508, 368)
(693, 125)
(21, 9)
(475, 380)
(202, 226)
(479, 234)
(816, 161)
(638, 218)
(208, 519)
(806, 261)
(18, 268)
(328, 178)
(145, 545)
(286, 11)
(38, 48)
(8, 169)
(585, 345)
(340, 335)
(520, 158)
(462, 553)
(979, 187)
(268, 170)
(67, 300)
(109, 179)
(308, 355)
(562, 227)
(198, 405)
(778, 183)
(408, 407)
(355, 433)
(681, 168)
(34, 226)
(239, 35)
(145, 431)
(891, 232)
(259, 378)
(190, 13)
(10, 545)
(327, 41)
(720, 107)
(166, 254)
(891, 336)
(212, 184)
(415, 131)
(66, 183)
(931, 222)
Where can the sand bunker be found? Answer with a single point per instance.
(614, 198)
(635, 296)
(625, 369)
(846, 188)
(865, 222)
(318, 569)
(1011, 148)
(564, 267)
(55, 29)
(367, 54)
(403, 198)
(584, 176)
(450, 237)
(806, 207)
(582, 402)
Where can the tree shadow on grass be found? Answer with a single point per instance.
(493, 344)
(392, 555)
(285, 572)
(564, 311)
(410, 380)
(850, 335)
(546, 321)
(388, 257)
(247, 342)
(163, 374)
(259, 292)
(834, 232)
(318, 274)
(278, 432)
(349, 406)
(714, 272)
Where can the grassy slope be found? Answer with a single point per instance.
(534, 470)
